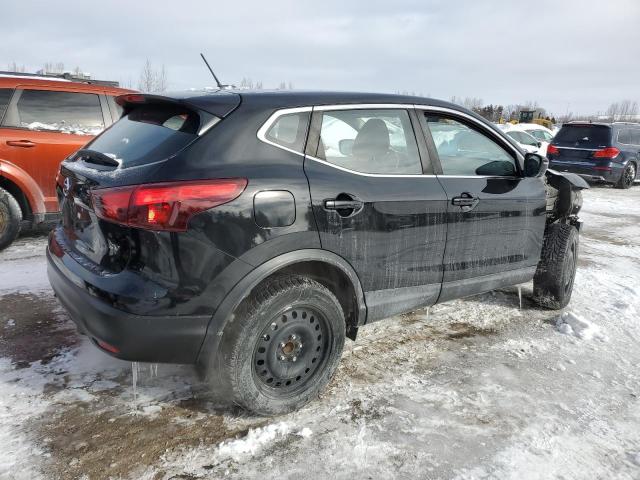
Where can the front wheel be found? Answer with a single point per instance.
(282, 346)
(10, 218)
(628, 176)
(553, 280)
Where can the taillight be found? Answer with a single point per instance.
(552, 150)
(609, 152)
(164, 206)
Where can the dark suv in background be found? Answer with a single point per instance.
(251, 232)
(599, 152)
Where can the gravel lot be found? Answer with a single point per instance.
(475, 388)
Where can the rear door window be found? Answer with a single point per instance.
(370, 141)
(147, 134)
(583, 136)
(67, 112)
(5, 97)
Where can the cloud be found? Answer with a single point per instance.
(580, 55)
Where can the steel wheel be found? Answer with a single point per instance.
(291, 349)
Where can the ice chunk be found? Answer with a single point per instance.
(571, 324)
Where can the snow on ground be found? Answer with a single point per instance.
(470, 389)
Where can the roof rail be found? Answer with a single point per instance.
(65, 76)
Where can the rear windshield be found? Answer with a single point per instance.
(147, 134)
(583, 136)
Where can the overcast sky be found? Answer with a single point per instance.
(564, 54)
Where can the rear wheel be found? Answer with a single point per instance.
(10, 218)
(628, 176)
(553, 280)
(282, 346)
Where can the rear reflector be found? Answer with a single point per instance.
(552, 149)
(609, 152)
(164, 206)
(108, 347)
(604, 169)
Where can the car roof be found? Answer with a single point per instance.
(587, 124)
(14, 81)
(534, 126)
(301, 98)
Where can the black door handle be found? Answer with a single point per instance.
(344, 204)
(465, 201)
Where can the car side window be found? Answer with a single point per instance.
(5, 97)
(289, 130)
(67, 112)
(377, 141)
(465, 151)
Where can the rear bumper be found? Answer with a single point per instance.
(589, 172)
(170, 339)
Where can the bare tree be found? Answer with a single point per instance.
(146, 82)
(152, 80)
(14, 67)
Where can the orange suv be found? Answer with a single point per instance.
(43, 119)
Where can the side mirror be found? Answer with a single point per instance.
(539, 144)
(535, 165)
(346, 146)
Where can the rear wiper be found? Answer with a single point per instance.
(99, 158)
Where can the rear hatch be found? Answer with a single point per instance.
(577, 145)
(151, 131)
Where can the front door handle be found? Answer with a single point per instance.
(21, 143)
(465, 201)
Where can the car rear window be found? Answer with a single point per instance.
(583, 136)
(5, 96)
(148, 134)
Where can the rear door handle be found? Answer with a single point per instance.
(342, 204)
(21, 143)
(465, 201)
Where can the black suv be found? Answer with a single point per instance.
(599, 152)
(251, 232)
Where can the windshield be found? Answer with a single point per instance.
(148, 134)
(583, 136)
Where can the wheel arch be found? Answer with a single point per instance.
(24, 188)
(18, 194)
(325, 267)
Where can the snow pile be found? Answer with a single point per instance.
(571, 324)
(254, 441)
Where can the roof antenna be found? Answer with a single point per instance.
(220, 86)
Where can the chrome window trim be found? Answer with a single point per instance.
(364, 106)
(371, 106)
(392, 175)
(576, 148)
(262, 132)
(355, 172)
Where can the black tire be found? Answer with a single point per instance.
(281, 347)
(553, 280)
(10, 218)
(628, 176)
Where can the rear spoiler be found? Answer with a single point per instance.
(217, 103)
